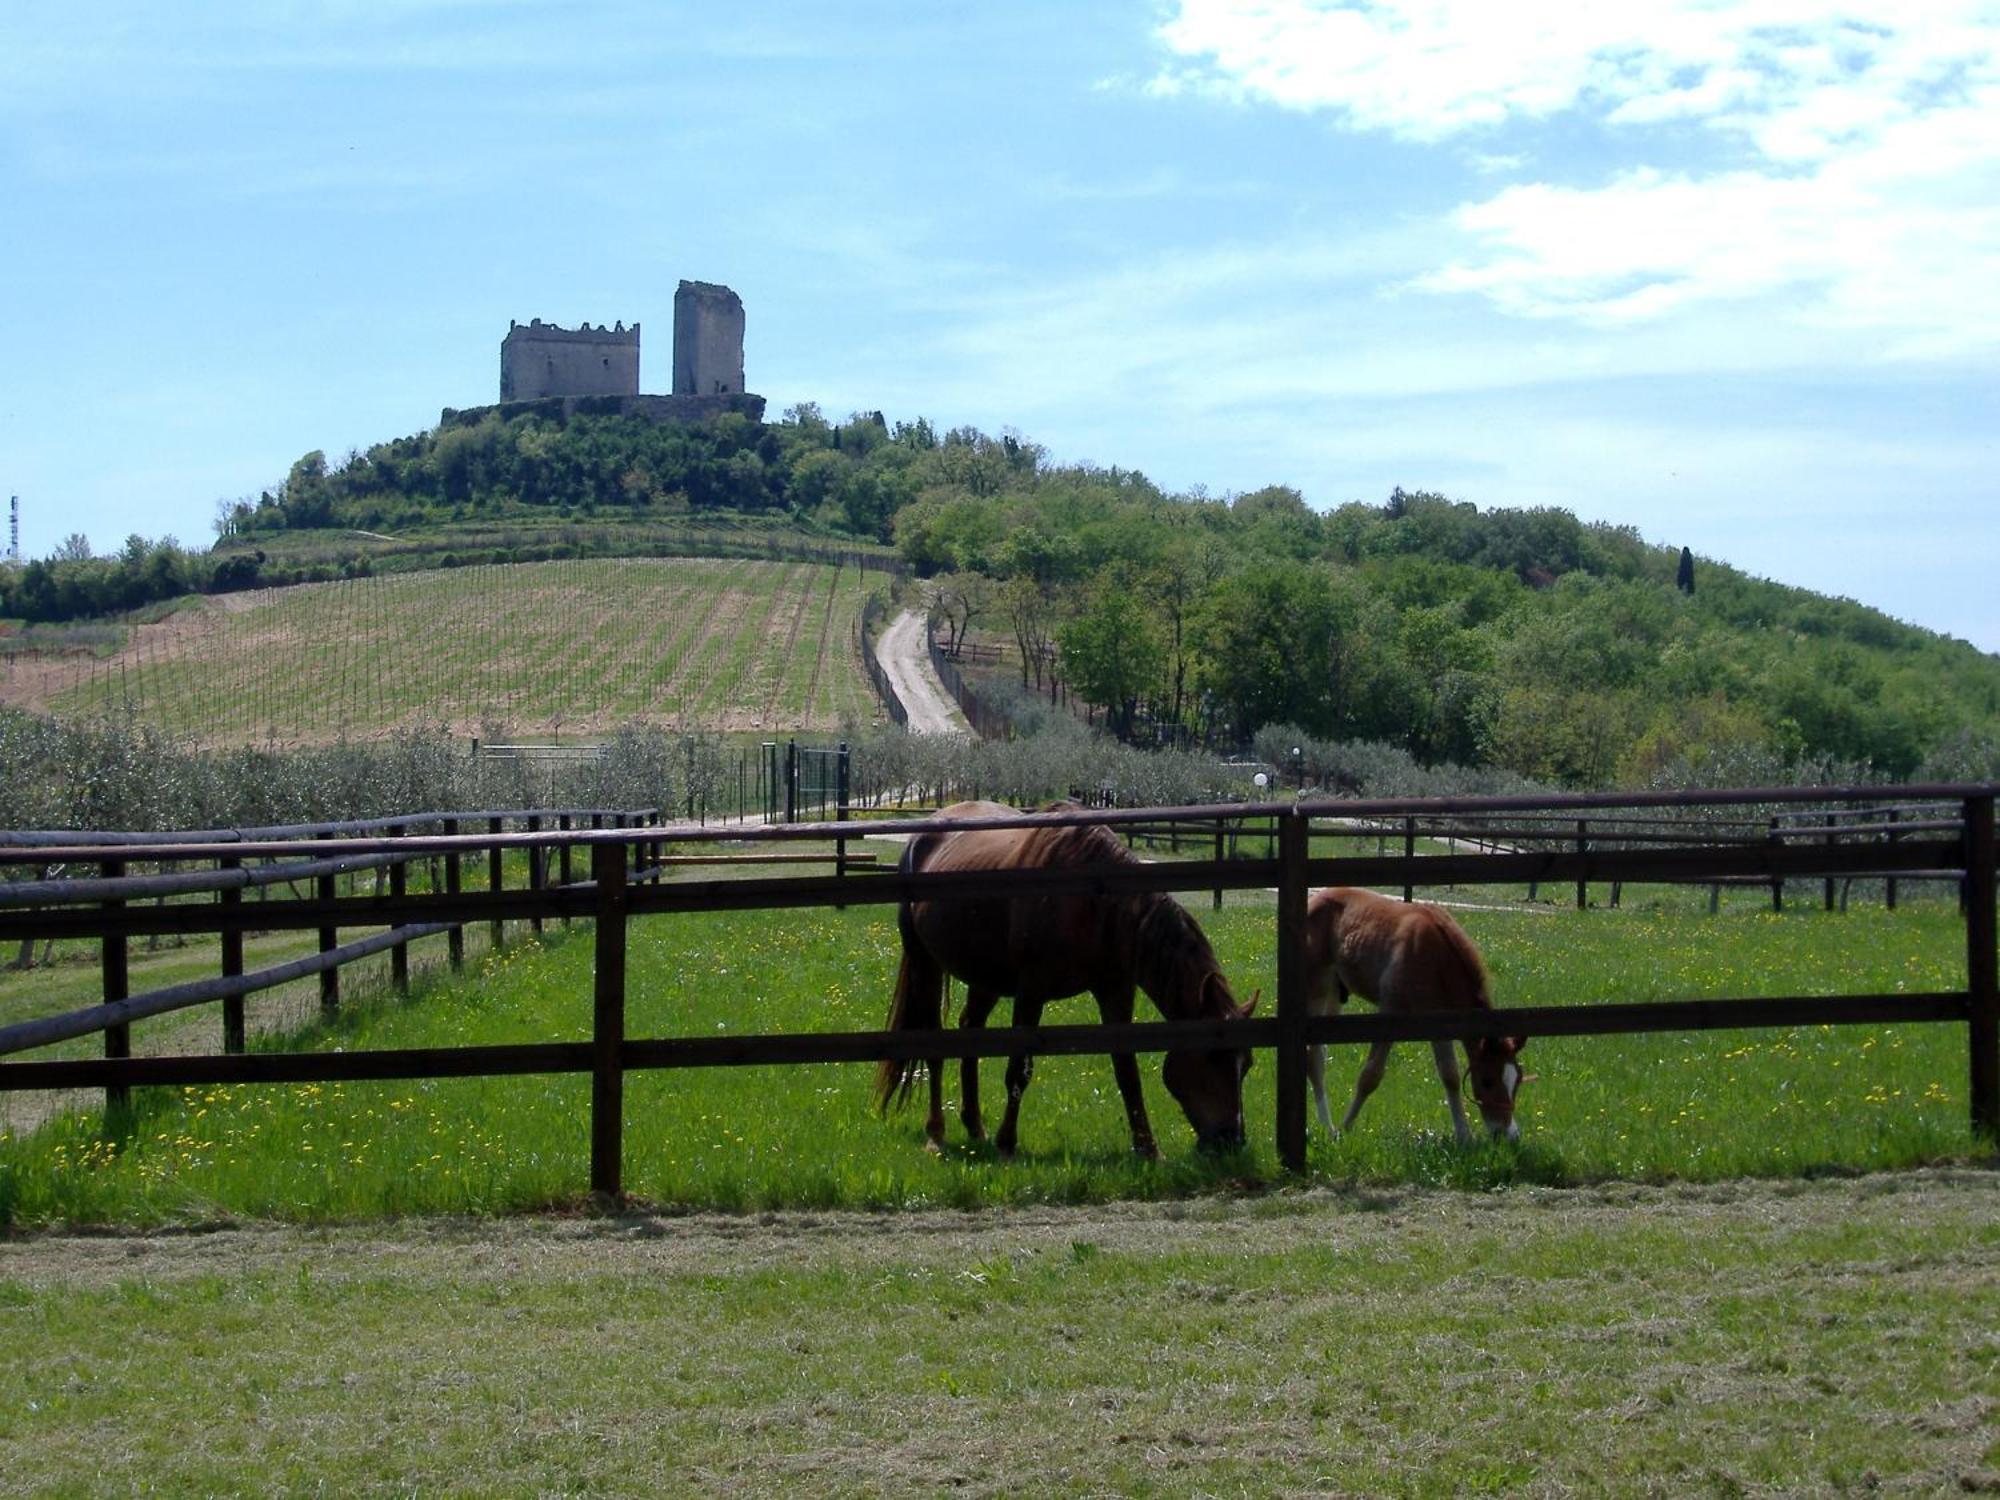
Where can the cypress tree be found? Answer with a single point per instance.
(1684, 580)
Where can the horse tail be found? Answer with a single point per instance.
(917, 1004)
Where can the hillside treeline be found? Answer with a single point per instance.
(1521, 640)
(74, 585)
(1525, 640)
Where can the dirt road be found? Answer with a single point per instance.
(906, 659)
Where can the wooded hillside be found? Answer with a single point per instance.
(1527, 640)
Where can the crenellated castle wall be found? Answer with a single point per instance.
(539, 359)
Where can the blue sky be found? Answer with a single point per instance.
(1725, 272)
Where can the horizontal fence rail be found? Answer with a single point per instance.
(1768, 836)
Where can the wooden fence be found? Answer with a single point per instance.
(203, 895)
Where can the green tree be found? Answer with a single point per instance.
(1266, 641)
(1111, 654)
(1030, 614)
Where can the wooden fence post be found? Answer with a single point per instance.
(1889, 886)
(607, 1035)
(117, 974)
(399, 886)
(1409, 853)
(329, 939)
(1291, 1055)
(496, 876)
(1832, 839)
(232, 964)
(1777, 839)
(565, 876)
(840, 812)
(1218, 861)
(535, 871)
(454, 882)
(1582, 848)
(1980, 965)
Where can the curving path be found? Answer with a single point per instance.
(906, 660)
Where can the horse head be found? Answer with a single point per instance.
(1207, 1083)
(1493, 1078)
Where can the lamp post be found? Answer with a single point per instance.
(1299, 768)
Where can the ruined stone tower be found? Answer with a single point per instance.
(539, 359)
(708, 340)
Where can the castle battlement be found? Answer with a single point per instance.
(539, 332)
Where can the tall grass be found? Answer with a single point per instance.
(1697, 1106)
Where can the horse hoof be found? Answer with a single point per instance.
(934, 1145)
(1145, 1151)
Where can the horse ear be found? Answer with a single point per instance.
(1251, 1009)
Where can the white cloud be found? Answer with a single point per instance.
(1859, 160)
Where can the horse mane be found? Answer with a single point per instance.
(1163, 939)
(1166, 942)
(1462, 948)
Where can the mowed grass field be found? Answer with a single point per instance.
(1832, 1336)
(1698, 1107)
(569, 647)
(1685, 1280)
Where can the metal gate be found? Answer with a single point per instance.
(802, 783)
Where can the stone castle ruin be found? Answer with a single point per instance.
(708, 340)
(597, 369)
(540, 359)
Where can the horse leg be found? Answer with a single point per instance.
(1116, 1010)
(1316, 1071)
(934, 1121)
(1329, 1003)
(1447, 1061)
(1020, 1068)
(1364, 1085)
(934, 1071)
(978, 1006)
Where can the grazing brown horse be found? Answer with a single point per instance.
(1406, 957)
(1039, 948)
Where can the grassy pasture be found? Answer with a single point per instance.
(575, 646)
(1638, 1314)
(1797, 1337)
(1691, 1107)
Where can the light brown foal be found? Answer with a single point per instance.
(1405, 957)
